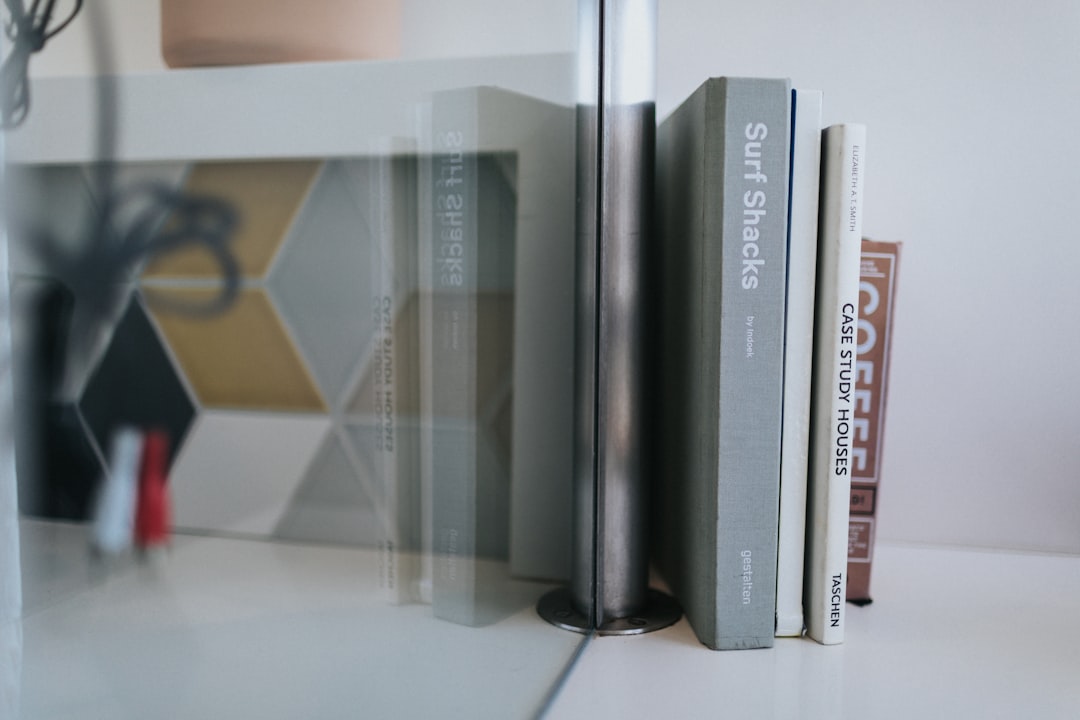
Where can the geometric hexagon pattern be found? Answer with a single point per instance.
(239, 470)
(277, 391)
(266, 195)
(242, 358)
(279, 404)
(291, 343)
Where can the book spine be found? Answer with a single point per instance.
(683, 535)
(750, 321)
(798, 351)
(833, 406)
(425, 186)
(467, 329)
(383, 308)
(453, 305)
(877, 294)
(391, 192)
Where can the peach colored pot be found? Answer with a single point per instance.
(245, 32)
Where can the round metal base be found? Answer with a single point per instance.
(661, 610)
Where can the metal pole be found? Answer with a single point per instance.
(616, 144)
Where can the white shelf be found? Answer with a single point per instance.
(951, 634)
(268, 111)
(252, 628)
(233, 628)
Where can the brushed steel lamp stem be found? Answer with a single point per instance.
(609, 589)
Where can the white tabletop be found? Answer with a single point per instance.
(227, 627)
(951, 634)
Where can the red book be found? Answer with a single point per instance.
(152, 515)
(877, 296)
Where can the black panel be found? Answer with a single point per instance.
(57, 467)
(135, 384)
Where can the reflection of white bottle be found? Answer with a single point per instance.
(114, 515)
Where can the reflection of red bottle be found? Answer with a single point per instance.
(152, 513)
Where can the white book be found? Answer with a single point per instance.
(833, 408)
(798, 351)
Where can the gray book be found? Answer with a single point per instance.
(722, 179)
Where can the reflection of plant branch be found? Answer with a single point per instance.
(107, 254)
(171, 220)
(168, 221)
(109, 251)
(28, 31)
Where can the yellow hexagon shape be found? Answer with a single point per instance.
(267, 194)
(243, 358)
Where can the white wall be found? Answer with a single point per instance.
(135, 31)
(435, 28)
(973, 162)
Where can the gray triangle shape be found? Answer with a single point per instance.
(362, 439)
(331, 505)
(321, 282)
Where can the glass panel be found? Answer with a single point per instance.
(294, 370)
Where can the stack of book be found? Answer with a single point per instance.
(760, 214)
(765, 416)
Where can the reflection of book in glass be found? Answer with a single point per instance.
(385, 411)
(497, 278)
(468, 362)
(471, 361)
(396, 429)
